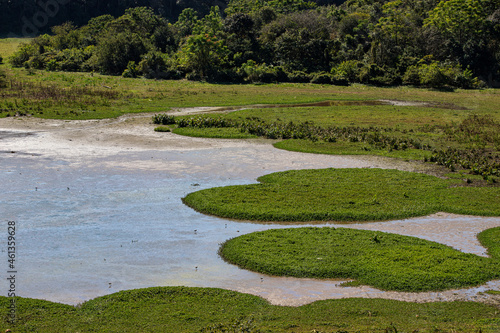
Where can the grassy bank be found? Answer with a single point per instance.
(382, 260)
(9, 45)
(345, 195)
(180, 309)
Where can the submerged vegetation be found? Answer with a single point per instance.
(382, 260)
(181, 309)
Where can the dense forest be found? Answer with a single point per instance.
(431, 43)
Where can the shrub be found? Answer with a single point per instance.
(437, 74)
(131, 70)
(153, 65)
(3, 79)
(299, 77)
(71, 60)
(52, 65)
(226, 75)
(263, 73)
(35, 62)
(163, 119)
(322, 78)
(412, 76)
(22, 55)
(114, 52)
(1, 59)
(348, 70)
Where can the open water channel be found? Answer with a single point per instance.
(91, 221)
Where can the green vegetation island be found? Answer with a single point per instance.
(410, 80)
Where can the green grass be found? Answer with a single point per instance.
(162, 129)
(9, 45)
(382, 260)
(181, 309)
(220, 133)
(349, 148)
(491, 240)
(345, 195)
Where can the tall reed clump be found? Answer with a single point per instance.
(163, 119)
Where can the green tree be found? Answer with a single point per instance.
(240, 38)
(469, 33)
(114, 51)
(392, 34)
(93, 29)
(459, 20)
(66, 36)
(299, 41)
(186, 22)
(201, 54)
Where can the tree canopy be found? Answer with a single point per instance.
(430, 43)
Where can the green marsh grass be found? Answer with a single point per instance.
(491, 240)
(181, 309)
(382, 260)
(345, 195)
(219, 133)
(349, 148)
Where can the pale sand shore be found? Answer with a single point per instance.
(79, 142)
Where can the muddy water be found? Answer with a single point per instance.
(96, 218)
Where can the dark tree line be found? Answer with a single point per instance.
(418, 42)
(27, 17)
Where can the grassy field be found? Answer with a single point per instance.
(180, 309)
(90, 95)
(9, 45)
(345, 195)
(382, 260)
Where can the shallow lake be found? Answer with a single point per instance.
(111, 222)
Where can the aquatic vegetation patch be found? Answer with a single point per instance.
(182, 309)
(162, 129)
(382, 260)
(345, 195)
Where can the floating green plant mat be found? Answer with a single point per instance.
(345, 195)
(382, 260)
